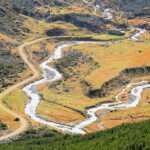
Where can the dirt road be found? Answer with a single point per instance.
(23, 121)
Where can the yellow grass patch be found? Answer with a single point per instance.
(9, 120)
(16, 100)
(145, 100)
(92, 128)
(58, 113)
(113, 58)
(129, 113)
(113, 123)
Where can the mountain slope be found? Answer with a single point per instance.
(10, 21)
(125, 5)
(125, 137)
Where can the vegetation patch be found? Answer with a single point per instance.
(73, 59)
(126, 136)
(55, 32)
(130, 6)
(11, 65)
(3, 126)
(91, 22)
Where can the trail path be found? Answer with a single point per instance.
(23, 121)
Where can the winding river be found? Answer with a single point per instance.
(51, 74)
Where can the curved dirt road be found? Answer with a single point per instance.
(23, 121)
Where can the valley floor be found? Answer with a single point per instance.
(78, 110)
(92, 75)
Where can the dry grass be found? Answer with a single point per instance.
(140, 21)
(113, 123)
(9, 120)
(130, 113)
(110, 57)
(58, 113)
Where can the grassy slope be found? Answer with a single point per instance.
(104, 54)
(134, 136)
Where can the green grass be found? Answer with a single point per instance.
(135, 136)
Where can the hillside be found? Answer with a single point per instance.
(133, 136)
(16, 13)
(126, 6)
(10, 21)
(131, 9)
